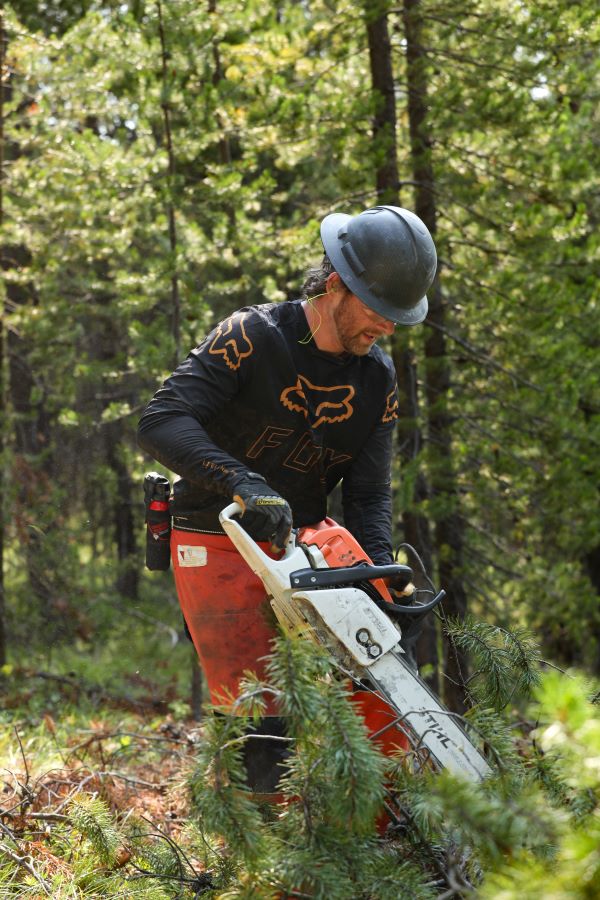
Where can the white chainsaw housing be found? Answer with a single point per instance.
(352, 617)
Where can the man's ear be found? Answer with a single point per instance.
(333, 283)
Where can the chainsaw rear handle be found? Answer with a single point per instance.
(234, 509)
(274, 573)
(233, 528)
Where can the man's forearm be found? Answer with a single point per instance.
(181, 444)
(368, 516)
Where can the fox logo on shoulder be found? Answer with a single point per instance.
(327, 404)
(234, 347)
(390, 413)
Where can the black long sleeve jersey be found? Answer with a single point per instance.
(257, 395)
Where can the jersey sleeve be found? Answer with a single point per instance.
(175, 426)
(366, 488)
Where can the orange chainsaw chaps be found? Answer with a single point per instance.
(339, 548)
(226, 610)
(381, 721)
(387, 735)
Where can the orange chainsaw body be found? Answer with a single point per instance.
(339, 548)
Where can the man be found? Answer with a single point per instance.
(275, 407)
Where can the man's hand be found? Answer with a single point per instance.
(265, 514)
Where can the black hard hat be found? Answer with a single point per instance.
(386, 256)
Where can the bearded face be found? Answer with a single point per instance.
(358, 327)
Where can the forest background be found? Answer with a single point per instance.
(165, 163)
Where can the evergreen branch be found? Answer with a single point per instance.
(25, 862)
(507, 661)
(220, 791)
(177, 850)
(545, 663)
(508, 38)
(434, 52)
(91, 816)
(172, 865)
(356, 767)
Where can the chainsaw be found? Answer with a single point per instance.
(326, 589)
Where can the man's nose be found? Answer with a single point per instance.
(387, 326)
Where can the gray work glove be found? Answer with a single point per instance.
(265, 514)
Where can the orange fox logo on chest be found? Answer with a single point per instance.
(326, 404)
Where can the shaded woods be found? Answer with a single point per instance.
(165, 165)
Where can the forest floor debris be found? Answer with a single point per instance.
(134, 767)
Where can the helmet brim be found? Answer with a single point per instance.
(330, 228)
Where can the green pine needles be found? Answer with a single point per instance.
(506, 663)
(322, 839)
(92, 818)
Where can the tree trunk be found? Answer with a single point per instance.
(166, 111)
(384, 120)
(414, 525)
(123, 518)
(104, 341)
(3, 640)
(448, 527)
(217, 75)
